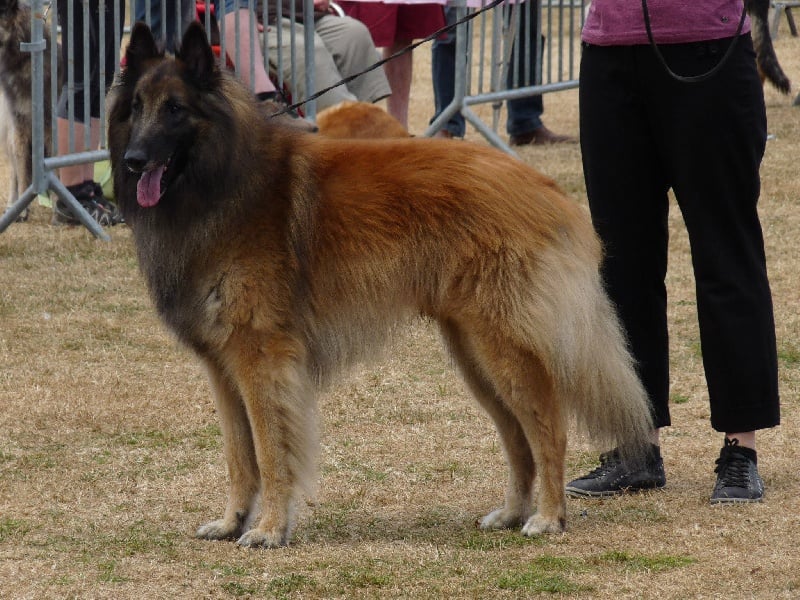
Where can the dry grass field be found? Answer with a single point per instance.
(110, 453)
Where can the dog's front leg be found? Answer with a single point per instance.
(280, 405)
(239, 455)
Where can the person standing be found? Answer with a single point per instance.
(642, 132)
(524, 124)
(394, 27)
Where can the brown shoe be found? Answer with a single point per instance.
(540, 137)
(445, 135)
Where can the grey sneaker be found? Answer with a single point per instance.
(613, 477)
(737, 475)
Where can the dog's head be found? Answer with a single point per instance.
(160, 110)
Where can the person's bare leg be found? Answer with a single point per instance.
(398, 72)
(77, 174)
(746, 439)
(260, 81)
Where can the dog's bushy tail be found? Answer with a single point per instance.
(591, 365)
(767, 60)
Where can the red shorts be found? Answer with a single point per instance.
(393, 23)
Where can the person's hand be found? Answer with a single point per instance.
(322, 5)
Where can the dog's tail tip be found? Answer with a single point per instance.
(779, 80)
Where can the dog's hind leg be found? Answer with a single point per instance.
(529, 394)
(519, 492)
(239, 455)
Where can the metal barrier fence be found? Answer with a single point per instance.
(493, 65)
(488, 48)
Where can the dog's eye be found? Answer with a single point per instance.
(174, 107)
(136, 104)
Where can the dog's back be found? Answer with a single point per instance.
(359, 120)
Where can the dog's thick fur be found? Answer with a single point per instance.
(768, 65)
(281, 257)
(359, 120)
(16, 107)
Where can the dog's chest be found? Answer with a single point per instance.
(195, 311)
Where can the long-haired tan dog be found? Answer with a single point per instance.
(281, 257)
(359, 120)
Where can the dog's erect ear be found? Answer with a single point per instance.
(141, 48)
(8, 7)
(195, 52)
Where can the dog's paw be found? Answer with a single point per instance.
(219, 530)
(258, 538)
(502, 518)
(539, 524)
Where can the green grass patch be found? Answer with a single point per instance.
(489, 541)
(149, 438)
(239, 590)
(678, 399)
(12, 528)
(208, 437)
(227, 570)
(369, 576)
(539, 579)
(633, 514)
(789, 355)
(108, 573)
(643, 562)
(143, 538)
(293, 583)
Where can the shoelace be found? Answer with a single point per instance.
(608, 462)
(733, 469)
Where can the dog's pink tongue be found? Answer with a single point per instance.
(148, 190)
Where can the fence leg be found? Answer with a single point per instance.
(487, 132)
(76, 208)
(16, 209)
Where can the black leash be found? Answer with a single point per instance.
(383, 61)
(692, 78)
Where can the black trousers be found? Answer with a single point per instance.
(642, 133)
(71, 11)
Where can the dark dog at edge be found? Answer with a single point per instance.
(767, 60)
(281, 257)
(16, 106)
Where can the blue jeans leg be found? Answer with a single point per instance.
(443, 68)
(525, 114)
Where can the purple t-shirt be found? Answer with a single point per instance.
(621, 22)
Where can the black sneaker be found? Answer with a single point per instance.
(737, 475)
(613, 477)
(90, 196)
(107, 205)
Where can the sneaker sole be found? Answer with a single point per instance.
(735, 500)
(578, 493)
